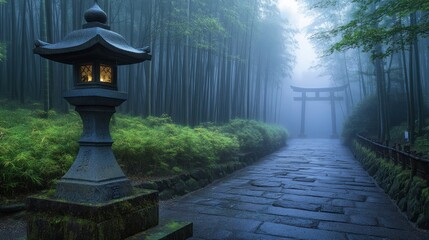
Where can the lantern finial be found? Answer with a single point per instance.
(95, 14)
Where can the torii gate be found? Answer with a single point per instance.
(317, 96)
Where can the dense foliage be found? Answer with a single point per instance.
(364, 118)
(35, 151)
(422, 143)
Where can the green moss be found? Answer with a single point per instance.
(410, 193)
(400, 185)
(415, 201)
(386, 174)
(173, 225)
(423, 219)
(111, 219)
(373, 167)
(59, 226)
(366, 157)
(125, 206)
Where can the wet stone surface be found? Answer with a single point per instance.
(311, 189)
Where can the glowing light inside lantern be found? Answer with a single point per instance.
(105, 74)
(86, 73)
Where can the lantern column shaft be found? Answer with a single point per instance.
(95, 175)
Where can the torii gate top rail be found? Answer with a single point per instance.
(325, 89)
(317, 97)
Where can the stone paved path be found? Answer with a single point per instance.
(312, 189)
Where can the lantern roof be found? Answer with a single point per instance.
(94, 41)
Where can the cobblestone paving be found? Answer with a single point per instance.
(311, 189)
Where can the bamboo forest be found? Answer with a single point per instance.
(214, 119)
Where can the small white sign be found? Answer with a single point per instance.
(406, 136)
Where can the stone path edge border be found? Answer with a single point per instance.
(181, 184)
(184, 183)
(405, 192)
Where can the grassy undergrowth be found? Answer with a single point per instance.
(411, 193)
(35, 152)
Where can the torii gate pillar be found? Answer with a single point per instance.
(302, 129)
(333, 115)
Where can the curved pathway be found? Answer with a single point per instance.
(311, 189)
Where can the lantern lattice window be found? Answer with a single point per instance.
(105, 74)
(86, 73)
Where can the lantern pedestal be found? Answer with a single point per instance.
(94, 199)
(135, 216)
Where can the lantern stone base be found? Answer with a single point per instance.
(51, 218)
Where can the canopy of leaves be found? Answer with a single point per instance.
(383, 22)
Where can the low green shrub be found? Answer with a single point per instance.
(253, 135)
(155, 146)
(35, 151)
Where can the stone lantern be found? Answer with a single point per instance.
(94, 199)
(94, 52)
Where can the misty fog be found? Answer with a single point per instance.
(307, 73)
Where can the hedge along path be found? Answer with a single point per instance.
(35, 152)
(411, 193)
